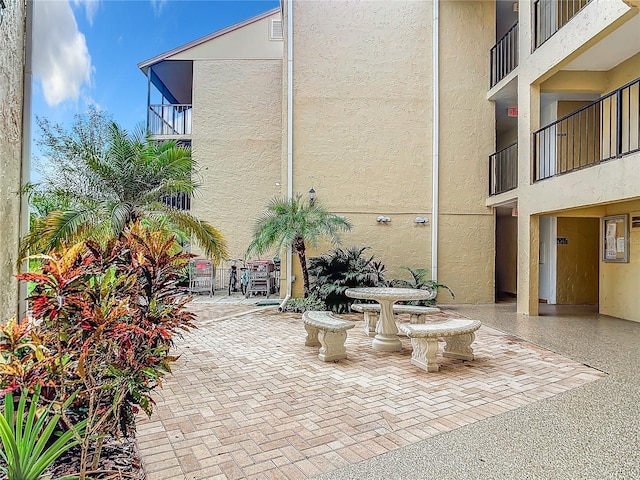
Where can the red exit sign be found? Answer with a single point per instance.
(512, 112)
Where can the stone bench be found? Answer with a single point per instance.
(458, 334)
(372, 312)
(328, 332)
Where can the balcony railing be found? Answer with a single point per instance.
(551, 15)
(503, 170)
(179, 201)
(605, 129)
(504, 55)
(170, 119)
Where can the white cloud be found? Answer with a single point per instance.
(90, 8)
(61, 58)
(158, 5)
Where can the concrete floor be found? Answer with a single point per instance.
(589, 432)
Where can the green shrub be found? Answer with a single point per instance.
(301, 305)
(341, 269)
(420, 279)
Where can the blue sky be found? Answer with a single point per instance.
(86, 51)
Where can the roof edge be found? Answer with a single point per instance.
(163, 56)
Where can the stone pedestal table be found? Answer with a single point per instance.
(386, 339)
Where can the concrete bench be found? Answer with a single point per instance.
(328, 332)
(458, 334)
(372, 312)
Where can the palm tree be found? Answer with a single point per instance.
(100, 189)
(293, 223)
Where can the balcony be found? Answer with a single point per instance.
(503, 170)
(551, 15)
(173, 120)
(602, 130)
(504, 56)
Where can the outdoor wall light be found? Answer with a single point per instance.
(383, 219)
(2, 7)
(421, 220)
(312, 192)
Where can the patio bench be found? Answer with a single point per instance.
(371, 313)
(458, 334)
(328, 332)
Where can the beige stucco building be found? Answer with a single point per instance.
(12, 149)
(499, 139)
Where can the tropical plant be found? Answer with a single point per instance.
(341, 269)
(421, 279)
(112, 310)
(301, 305)
(295, 223)
(102, 178)
(28, 444)
(25, 360)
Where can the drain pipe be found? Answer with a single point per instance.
(287, 297)
(23, 306)
(436, 143)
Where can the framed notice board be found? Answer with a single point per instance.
(615, 242)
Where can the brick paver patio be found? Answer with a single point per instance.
(247, 399)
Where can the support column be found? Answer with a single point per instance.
(528, 224)
(528, 266)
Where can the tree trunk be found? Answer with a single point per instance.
(301, 250)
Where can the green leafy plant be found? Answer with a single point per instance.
(301, 305)
(420, 279)
(27, 434)
(341, 269)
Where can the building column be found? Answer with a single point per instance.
(528, 263)
(528, 224)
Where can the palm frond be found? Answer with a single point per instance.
(209, 238)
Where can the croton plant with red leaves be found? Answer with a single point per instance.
(109, 313)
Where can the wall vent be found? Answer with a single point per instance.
(276, 30)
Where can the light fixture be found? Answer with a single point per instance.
(2, 7)
(312, 192)
(383, 219)
(421, 220)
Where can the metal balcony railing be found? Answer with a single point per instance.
(605, 129)
(503, 170)
(179, 201)
(504, 55)
(551, 15)
(170, 119)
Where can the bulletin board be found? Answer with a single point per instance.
(615, 241)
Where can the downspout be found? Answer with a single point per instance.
(25, 167)
(289, 138)
(436, 144)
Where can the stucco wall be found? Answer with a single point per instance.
(236, 143)
(577, 261)
(363, 130)
(467, 137)
(11, 108)
(620, 282)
